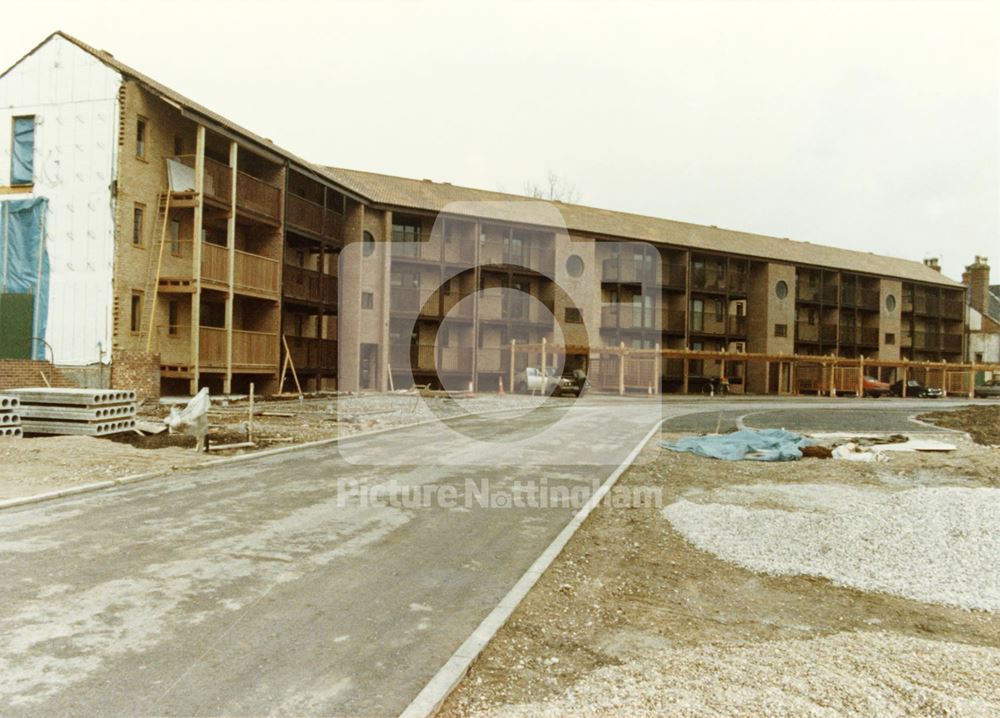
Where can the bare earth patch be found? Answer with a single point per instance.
(981, 422)
(632, 619)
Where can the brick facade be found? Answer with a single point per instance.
(139, 371)
(23, 373)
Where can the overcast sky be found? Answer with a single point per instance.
(872, 126)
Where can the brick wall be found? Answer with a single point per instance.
(22, 373)
(139, 371)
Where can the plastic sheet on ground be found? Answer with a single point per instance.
(750, 444)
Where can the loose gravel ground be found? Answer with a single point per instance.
(864, 673)
(634, 619)
(939, 545)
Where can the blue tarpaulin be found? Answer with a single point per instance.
(752, 444)
(25, 261)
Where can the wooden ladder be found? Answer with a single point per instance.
(154, 265)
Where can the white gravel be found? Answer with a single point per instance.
(932, 544)
(843, 674)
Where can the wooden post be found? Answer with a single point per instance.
(545, 377)
(861, 377)
(231, 260)
(621, 369)
(199, 208)
(767, 377)
(250, 416)
(944, 379)
(657, 369)
(972, 383)
(906, 373)
(833, 379)
(686, 370)
(513, 350)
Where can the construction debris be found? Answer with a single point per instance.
(752, 444)
(86, 412)
(192, 419)
(10, 418)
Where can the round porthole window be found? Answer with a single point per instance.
(781, 289)
(574, 265)
(367, 244)
(890, 303)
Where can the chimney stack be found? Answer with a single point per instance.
(932, 262)
(977, 278)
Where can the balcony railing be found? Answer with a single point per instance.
(455, 359)
(214, 264)
(257, 274)
(952, 343)
(848, 296)
(952, 309)
(257, 196)
(251, 350)
(673, 275)
(309, 285)
(828, 333)
(626, 269)
(706, 323)
(861, 336)
(673, 320)
(738, 325)
(413, 300)
(708, 278)
(625, 316)
(218, 181)
(829, 293)
(313, 354)
(868, 299)
(304, 214)
(806, 332)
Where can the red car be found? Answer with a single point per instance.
(874, 387)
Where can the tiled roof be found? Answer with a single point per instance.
(436, 196)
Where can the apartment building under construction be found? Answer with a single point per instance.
(157, 239)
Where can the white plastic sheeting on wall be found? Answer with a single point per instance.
(74, 98)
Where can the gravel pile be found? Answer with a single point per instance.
(841, 674)
(933, 544)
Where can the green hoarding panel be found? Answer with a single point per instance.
(16, 313)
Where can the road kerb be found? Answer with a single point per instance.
(433, 695)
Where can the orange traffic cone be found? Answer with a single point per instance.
(500, 390)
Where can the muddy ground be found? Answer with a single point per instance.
(40, 464)
(981, 422)
(631, 617)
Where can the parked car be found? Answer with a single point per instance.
(530, 379)
(572, 382)
(874, 387)
(989, 390)
(915, 390)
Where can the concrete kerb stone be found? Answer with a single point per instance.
(135, 478)
(434, 693)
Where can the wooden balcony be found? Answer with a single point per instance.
(313, 354)
(251, 350)
(303, 214)
(214, 265)
(868, 299)
(257, 275)
(673, 275)
(257, 198)
(308, 285)
(628, 317)
(455, 359)
(628, 270)
(413, 301)
(218, 182)
(806, 332)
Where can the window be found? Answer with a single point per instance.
(890, 338)
(137, 216)
(173, 316)
(574, 265)
(140, 138)
(781, 330)
(367, 300)
(781, 289)
(178, 145)
(367, 244)
(135, 316)
(175, 237)
(720, 311)
(697, 315)
(405, 231)
(890, 304)
(22, 154)
(573, 316)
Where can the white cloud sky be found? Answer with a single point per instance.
(868, 125)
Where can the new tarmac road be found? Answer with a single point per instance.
(281, 585)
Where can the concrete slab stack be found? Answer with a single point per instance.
(86, 412)
(10, 417)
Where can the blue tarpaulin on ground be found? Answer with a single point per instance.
(24, 260)
(752, 444)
